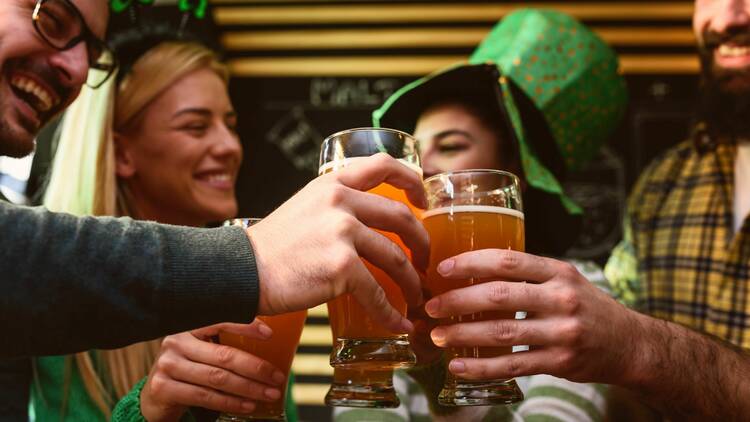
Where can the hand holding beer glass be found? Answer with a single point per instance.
(278, 350)
(364, 352)
(471, 210)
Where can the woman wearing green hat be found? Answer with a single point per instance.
(538, 97)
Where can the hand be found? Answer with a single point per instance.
(576, 331)
(308, 251)
(192, 371)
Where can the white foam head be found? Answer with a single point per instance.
(455, 209)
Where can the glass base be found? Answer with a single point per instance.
(227, 417)
(485, 393)
(377, 396)
(378, 353)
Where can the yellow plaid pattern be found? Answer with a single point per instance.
(679, 259)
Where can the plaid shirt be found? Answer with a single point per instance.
(679, 259)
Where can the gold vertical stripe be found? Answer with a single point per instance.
(310, 394)
(312, 364)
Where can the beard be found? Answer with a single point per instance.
(724, 98)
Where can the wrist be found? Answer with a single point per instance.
(641, 363)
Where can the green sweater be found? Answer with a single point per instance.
(50, 401)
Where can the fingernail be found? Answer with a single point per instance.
(406, 326)
(438, 337)
(272, 393)
(457, 367)
(248, 405)
(278, 377)
(446, 266)
(265, 331)
(432, 307)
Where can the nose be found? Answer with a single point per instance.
(71, 66)
(731, 14)
(227, 146)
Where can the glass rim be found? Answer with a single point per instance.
(365, 128)
(513, 176)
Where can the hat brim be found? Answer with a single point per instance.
(476, 84)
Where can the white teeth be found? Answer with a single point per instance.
(733, 51)
(46, 99)
(223, 177)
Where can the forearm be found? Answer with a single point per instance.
(81, 283)
(688, 375)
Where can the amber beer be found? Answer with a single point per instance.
(470, 210)
(462, 228)
(349, 320)
(362, 388)
(278, 350)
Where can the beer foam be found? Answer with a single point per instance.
(339, 164)
(472, 208)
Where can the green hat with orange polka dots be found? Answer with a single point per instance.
(538, 62)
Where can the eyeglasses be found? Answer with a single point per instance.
(61, 25)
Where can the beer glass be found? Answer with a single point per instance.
(470, 210)
(279, 350)
(364, 353)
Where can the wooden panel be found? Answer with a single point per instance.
(408, 13)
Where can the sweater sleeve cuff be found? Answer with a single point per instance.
(128, 409)
(212, 272)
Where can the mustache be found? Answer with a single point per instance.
(739, 36)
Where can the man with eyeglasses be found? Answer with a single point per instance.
(132, 281)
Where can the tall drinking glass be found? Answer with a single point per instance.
(470, 210)
(279, 350)
(360, 344)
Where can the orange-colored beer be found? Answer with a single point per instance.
(348, 318)
(463, 228)
(279, 350)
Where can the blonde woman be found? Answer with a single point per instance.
(166, 150)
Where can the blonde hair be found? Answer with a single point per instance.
(83, 182)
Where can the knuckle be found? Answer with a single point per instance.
(573, 332)
(399, 257)
(507, 260)
(157, 385)
(217, 377)
(403, 212)
(566, 360)
(569, 271)
(170, 343)
(335, 194)
(568, 300)
(263, 368)
(499, 293)
(515, 367)
(166, 363)
(342, 262)
(346, 225)
(225, 354)
(501, 331)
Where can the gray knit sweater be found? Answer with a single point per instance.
(69, 284)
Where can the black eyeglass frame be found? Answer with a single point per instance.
(85, 36)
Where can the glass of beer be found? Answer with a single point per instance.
(470, 210)
(279, 350)
(360, 343)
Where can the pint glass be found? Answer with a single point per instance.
(471, 210)
(365, 353)
(279, 350)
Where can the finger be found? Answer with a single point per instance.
(219, 379)
(392, 216)
(235, 360)
(389, 257)
(490, 296)
(372, 297)
(542, 361)
(256, 330)
(501, 263)
(196, 396)
(382, 168)
(499, 332)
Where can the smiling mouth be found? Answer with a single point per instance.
(726, 50)
(38, 97)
